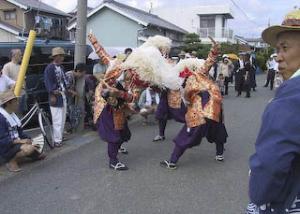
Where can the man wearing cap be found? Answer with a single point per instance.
(272, 66)
(5, 82)
(56, 85)
(14, 144)
(274, 185)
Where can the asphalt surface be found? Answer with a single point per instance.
(80, 182)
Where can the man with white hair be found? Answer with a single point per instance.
(12, 68)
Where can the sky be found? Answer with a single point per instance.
(250, 16)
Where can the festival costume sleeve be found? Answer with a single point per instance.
(277, 148)
(211, 59)
(212, 109)
(99, 103)
(103, 55)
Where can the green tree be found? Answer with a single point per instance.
(227, 48)
(192, 42)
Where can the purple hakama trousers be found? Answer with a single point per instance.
(107, 132)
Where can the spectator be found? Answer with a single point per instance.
(272, 66)
(5, 82)
(275, 170)
(239, 78)
(226, 68)
(56, 85)
(247, 73)
(221, 83)
(74, 113)
(12, 68)
(148, 102)
(79, 72)
(14, 144)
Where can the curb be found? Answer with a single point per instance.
(75, 142)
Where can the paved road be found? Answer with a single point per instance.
(79, 182)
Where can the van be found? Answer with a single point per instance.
(40, 58)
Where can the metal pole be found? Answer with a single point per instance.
(80, 53)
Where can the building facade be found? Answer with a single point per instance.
(26, 15)
(119, 25)
(203, 20)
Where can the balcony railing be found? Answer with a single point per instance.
(215, 33)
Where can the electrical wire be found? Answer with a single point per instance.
(244, 13)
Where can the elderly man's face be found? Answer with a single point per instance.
(17, 55)
(288, 53)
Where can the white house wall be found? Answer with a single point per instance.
(185, 18)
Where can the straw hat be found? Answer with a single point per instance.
(58, 51)
(7, 96)
(290, 23)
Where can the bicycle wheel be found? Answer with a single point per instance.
(46, 128)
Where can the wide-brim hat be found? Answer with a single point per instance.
(57, 51)
(290, 23)
(7, 96)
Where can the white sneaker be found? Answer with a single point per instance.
(219, 158)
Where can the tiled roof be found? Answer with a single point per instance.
(38, 5)
(136, 14)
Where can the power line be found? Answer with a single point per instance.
(244, 13)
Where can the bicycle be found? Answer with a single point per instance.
(43, 120)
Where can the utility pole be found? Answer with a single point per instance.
(80, 54)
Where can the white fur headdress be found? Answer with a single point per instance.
(146, 62)
(151, 67)
(193, 64)
(162, 43)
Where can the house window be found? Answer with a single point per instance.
(207, 21)
(10, 15)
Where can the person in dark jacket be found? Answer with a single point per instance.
(248, 75)
(56, 84)
(14, 144)
(239, 78)
(274, 185)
